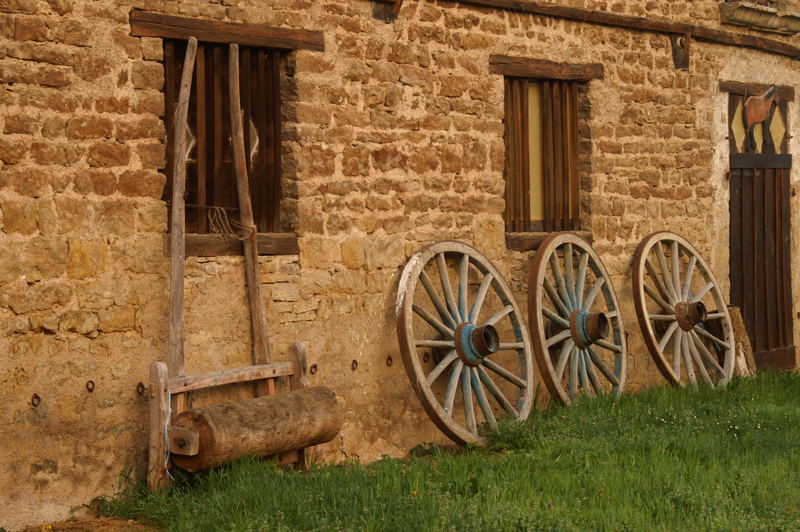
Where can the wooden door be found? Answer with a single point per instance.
(760, 232)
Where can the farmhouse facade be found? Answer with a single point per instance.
(370, 133)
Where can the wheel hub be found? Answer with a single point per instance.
(474, 343)
(690, 314)
(588, 327)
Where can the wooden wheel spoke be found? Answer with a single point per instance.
(665, 273)
(452, 388)
(572, 382)
(435, 343)
(662, 344)
(475, 311)
(563, 358)
(433, 321)
(556, 338)
(602, 366)
(441, 366)
(703, 291)
(698, 361)
(687, 282)
(592, 374)
(715, 316)
(687, 359)
(605, 344)
(555, 318)
(463, 283)
(661, 317)
(500, 314)
(706, 354)
(511, 346)
(437, 302)
(496, 393)
(592, 295)
(657, 298)
(580, 283)
(676, 353)
(503, 372)
(447, 288)
(703, 332)
(583, 377)
(657, 280)
(483, 402)
(466, 395)
(562, 291)
(676, 268)
(569, 270)
(555, 298)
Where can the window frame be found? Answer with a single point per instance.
(554, 74)
(279, 40)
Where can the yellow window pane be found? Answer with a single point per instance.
(535, 150)
(777, 129)
(758, 135)
(737, 129)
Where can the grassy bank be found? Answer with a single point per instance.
(659, 460)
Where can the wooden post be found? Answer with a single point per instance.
(298, 381)
(175, 356)
(744, 362)
(258, 315)
(157, 449)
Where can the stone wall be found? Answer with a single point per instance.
(393, 139)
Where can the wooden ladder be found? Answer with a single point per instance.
(169, 384)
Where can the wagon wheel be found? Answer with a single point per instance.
(466, 349)
(682, 311)
(575, 322)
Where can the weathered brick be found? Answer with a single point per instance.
(142, 183)
(89, 127)
(147, 75)
(20, 123)
(47, 153)
(149, 128)
(107, 154)
(17, 216)
(86, 258)
(13, 149)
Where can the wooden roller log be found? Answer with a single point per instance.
(262, 426)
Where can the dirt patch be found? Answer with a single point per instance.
(84, 524)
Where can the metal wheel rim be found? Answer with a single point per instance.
(595, 372)
(412, 360)
(691, 355)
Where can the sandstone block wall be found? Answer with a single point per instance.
(393, 139)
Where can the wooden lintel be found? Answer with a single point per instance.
(231, 376)
(213, 245)
(634, 23)
(148, 24)
(532, 241)
(785, 92)
(183, 441)
(539, 68)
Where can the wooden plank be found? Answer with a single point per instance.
(639, 24)
(759, 276)
(530, 241)
(781, 358)
(259, 167)
(175, 355)
(558, 155)
(219, 187)
(785, 243)
(258, 314)
(525, 174)
(760, 160)
(772, 314)
(785, 93)
(519, 126)
(548, 155)
(148, 24)
(543, 69)
(566, 142)
(200, 134)
(214, 245)
(159, 404)
(278, 137)
(182, 441)
(736, 253)
(231, 376)
(748, 255)
(575, 163)
(508, 164)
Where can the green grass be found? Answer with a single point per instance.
(664, 459)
